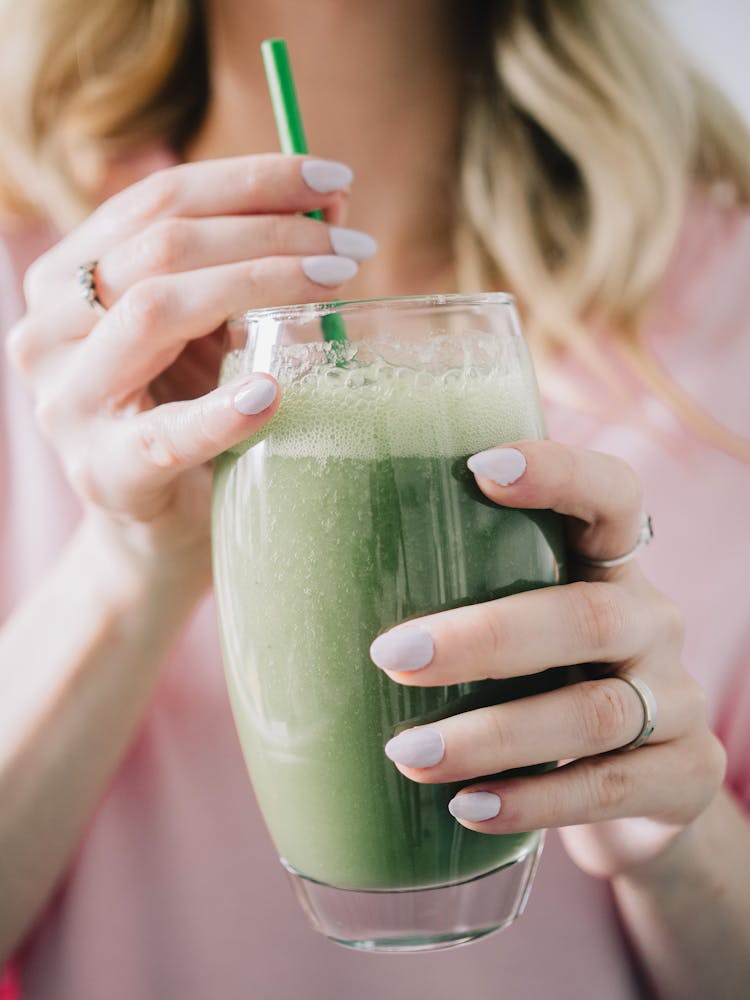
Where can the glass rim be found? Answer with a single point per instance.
(312, 310)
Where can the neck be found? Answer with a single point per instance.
(378, 86)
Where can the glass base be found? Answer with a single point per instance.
(404, 920)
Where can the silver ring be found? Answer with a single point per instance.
(86, 278)
(648, 703)
(645, 534)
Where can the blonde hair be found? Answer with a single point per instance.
(83, 84)
(585, 128)
(585, 133)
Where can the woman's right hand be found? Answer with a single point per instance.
(128, 399)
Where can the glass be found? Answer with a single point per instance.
(351, 511)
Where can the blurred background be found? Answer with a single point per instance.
(717, 33)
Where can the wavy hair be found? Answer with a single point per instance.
(83, 84)
(585, 128)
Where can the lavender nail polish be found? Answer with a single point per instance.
(352, 243)
(474, 806)
(255, 397)
(416, 748)
(502, 465)
(328, 269)
(325, 176)
(409, 647)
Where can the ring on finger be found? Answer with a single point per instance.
(645, 535)
(86, 278)
(648, 703)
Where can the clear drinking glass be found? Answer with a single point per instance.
(351, 511)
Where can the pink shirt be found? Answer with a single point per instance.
(176, 891)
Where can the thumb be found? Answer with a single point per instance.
(171, 438)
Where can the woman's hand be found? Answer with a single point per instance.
(128, 399)
(619, 809)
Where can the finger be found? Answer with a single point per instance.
(36, 338)
(147, 328)
(600, 492)
(270, 183)
(582, 720)
(267, 183)
(176, 244)
(150, 450)
(523, 634)
(173, 246)
(671, 781)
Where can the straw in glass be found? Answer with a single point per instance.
(292, 138)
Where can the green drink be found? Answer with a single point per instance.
(355, 511)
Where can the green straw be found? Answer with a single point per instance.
(292, 138)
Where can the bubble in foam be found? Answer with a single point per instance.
(374, 410)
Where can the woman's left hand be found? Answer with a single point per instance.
(619, 809)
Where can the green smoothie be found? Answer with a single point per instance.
(354, 512)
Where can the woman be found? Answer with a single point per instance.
(566, 152)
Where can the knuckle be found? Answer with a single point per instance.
(495, 733)
(696, 708)
(36, 277)
(257, 170)
(81, 477)
(255, 276)
(490, 636)
(568, 473)
(672, 622)
(604, 713)
(144, 306)
(612, 784)
(597, 615)
(716, 762)
(278, 234)
(629, 489)
(551, 809)
(158, 194)
(19, 344)
(157, 448)
(204, 430)
(705, 764)
(49, 412)
(164, 245)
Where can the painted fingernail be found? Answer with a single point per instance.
(407, 648)
(474, 806)
(325, 176)
(416, 748)
(502, 465)
(255, 397)
(352, 243)
(329, 270)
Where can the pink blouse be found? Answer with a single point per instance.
(176, 892)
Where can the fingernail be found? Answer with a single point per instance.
(325, 176)
(329, 270)
(474, 806)
(255, 397)
(407, 648)
(502, 465)
(352, 243)
(416, 748)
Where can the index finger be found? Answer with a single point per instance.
(268, 183)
